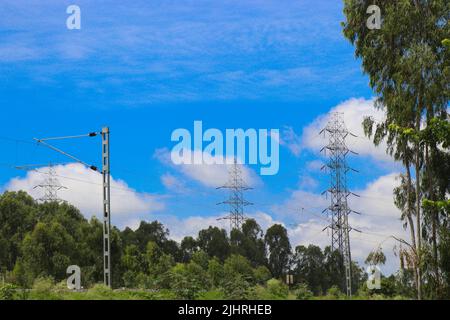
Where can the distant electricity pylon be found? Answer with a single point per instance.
(50, 185)
(337, 151)
(106, 179)
(236, 201)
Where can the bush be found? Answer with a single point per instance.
(334, 293)
(303, 292)
(211, 295)
(100, 289)
(7, 292)
(237, 288)
(188, 280)
(43, 289)
(43, 285)
(262, 274)
(215, 272)
(238, 265)
(277, 289)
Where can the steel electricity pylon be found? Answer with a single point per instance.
(106, 203)
(236, 201)
(337, 152)
(50, 184)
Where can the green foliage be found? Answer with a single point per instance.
(211, 295)
(237, 288)
(7, 292)
(277, 289)
(59, 236)
(188, 247)
(310, 267)
(335, 293)
(238, 265)
(249, 243)
(303, 293)
(376, 257)
(201, 258)
(262, 274)
(43, 289)
(214, 242)
(188, 281)
(408, 66)
(216, 272)
(279, 248)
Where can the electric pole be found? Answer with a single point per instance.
(106, 179)
(339, 210)
(106, 206)
(236, 201)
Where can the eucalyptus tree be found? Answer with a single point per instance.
(405, 60)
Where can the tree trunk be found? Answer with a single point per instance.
(418, 219)
(410, 219)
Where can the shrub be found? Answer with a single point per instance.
(188, 281)
(7, 292)
(236, 288)
(262, 274)
(211, 295)
(215, 272)
(238, 265)
(303, 292)
(334, 293)
(260, 292)
(43, 289)
(277, 289)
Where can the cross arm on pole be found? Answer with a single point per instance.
(42, 141)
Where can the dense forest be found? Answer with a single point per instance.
(38, 241)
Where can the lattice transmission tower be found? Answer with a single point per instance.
(50, 186)
(337, 152)
(236, 201)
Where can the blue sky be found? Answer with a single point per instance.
(145, 68)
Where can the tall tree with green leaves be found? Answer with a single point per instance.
(214, 242)
(405, 61)
(279, 249)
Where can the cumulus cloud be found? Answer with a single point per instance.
(379, 219)
(354, 110)
(84, 190)
(308, 183)
(173, 183)
(315, 165)
(291, 140)
(209, 175)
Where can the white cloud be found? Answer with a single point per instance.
(190, 226)
(84, 190)
(379, 220)
(210, 175)
(308, 183)
(315, 165)
(354, 111)
(173, 183)
(291, 140)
